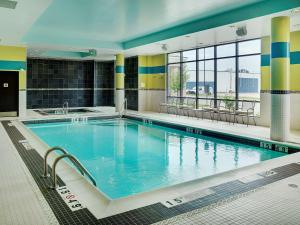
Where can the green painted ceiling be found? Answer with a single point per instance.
(124, 24)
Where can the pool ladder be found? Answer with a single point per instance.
(124, 106)
(72, 158)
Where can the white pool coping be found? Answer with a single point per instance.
(101, 206)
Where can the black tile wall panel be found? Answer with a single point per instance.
(105, 74)
(131, 72)
(55, 99)
(131, 82)
(73, 79)
(104, 83)
(105, 98)
(44, 73)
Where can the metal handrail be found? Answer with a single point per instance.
(124, 106)
(46, 156)
(66, 107)
(78, 165)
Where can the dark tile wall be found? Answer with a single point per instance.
(104, 83)
(131, 82)
(82, 83)
(73, 79)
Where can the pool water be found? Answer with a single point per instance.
(128, 157)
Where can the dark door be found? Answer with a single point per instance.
(9, 96)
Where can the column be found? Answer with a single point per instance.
(265, 71)
(280, 78)
(119, 83)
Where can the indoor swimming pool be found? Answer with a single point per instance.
(127, 157)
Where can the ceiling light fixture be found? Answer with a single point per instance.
(164, 47)
(8, 4)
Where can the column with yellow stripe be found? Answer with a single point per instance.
(280, 78)
(119, 83)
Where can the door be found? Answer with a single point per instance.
(9, 93)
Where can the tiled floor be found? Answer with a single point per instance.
(22, 203)
(237, 129)
(20, 199)
(277, 203)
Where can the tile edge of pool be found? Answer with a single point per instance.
(138, 200)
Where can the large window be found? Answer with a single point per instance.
(227, 71)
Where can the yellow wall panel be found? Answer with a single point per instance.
(22, 80)
(295, 77)
(265, 45)
(280, 29)
(265, 78)
(280, 71)
(119, 80)
(120, 60)
(295, 41)
(12, 53)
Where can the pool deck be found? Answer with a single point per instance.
(22, 202)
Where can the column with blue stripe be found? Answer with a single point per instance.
(119, 83)
(280, 78)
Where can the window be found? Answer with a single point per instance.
(249, 47)
(209, 53)
(226, 78)
(189, 55)
(174, 57)
(249, 77)
(216, 72)
(226, 50)
(189, 79)
(174, 86)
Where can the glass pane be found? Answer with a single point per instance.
(189, 55)
(201, 82)
(226, 78)
(249, 77)
(209, 53)
(201, 53)
(226, 50)
(209, 78)
(206, 82)
(189, 79)
(174, 80)
(174, 57)
(249, 47)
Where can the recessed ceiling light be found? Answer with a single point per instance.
(8, 4)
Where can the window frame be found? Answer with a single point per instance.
(215, 59)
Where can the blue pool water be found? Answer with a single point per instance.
(128, 157)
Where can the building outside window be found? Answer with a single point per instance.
(227, 71)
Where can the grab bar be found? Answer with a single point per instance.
(66, 107)
(124, 106)
(46, 156)
(78, 165)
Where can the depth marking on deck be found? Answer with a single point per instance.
(187, 198)
(69, 198)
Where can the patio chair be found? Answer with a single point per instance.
(170, 101)
(190, 107)
(246, 110)
(226, 108)
(211, 109)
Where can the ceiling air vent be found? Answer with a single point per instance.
(241, 31)
(8, 4)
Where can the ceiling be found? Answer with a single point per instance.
(70, 28)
